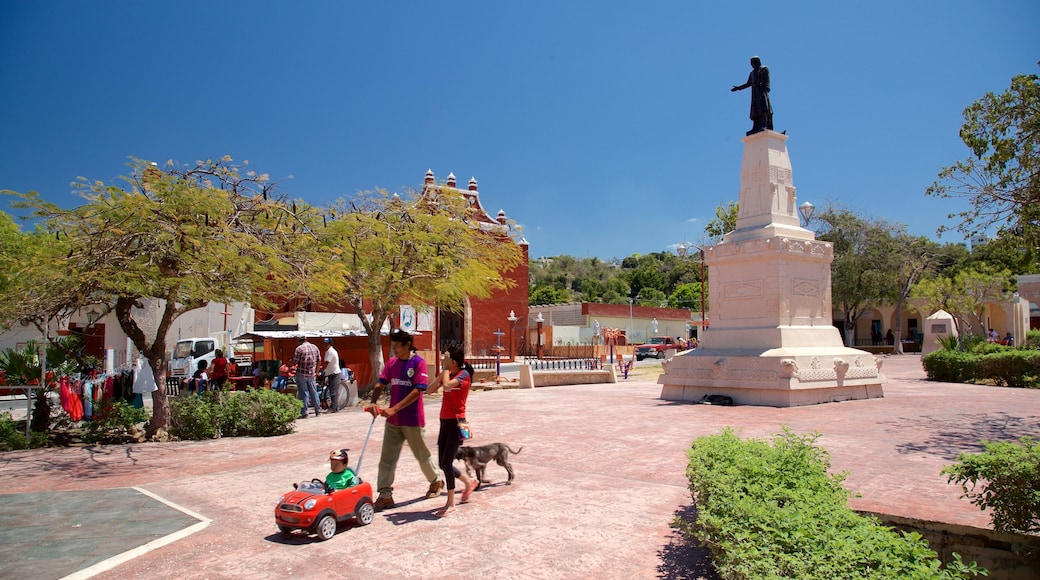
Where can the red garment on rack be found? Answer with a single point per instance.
(74, 406)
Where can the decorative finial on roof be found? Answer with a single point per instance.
(429, 176)
(451, 180)
(502, 216)
(472, 183)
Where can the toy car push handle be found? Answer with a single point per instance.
(357, 469)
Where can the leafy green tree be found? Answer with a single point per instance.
(379, 250)
(860, 271)
(964, 295)
(686, 296)
(651, 297)
(1001, 178)
(549, 295)
(910, 259)
(161, 243)
(725, 221)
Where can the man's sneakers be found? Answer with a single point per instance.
(383, 503)
(435, 489)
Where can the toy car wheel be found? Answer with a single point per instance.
(284, 529)
(326, 527)
(365, 513)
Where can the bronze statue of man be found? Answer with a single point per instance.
(761, 109)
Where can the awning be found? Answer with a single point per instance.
(259, 335)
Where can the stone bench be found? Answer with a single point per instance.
(530, 378)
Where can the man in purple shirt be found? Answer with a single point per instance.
(306, 359)
(406, 374)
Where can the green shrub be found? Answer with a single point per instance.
(1009, 476)
(194, 418)
(257, 413)
(771, 510)
(115, 422)
(950, 366)
(973, 342)
(12, 438)
(1014, 368)
(275, 412)
(1032, 341)
(991, 348)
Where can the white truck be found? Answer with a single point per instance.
(189, 351)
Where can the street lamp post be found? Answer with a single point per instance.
(628, 331)
(682, 250)
(539, 320)
(806, 209)
(512, 330)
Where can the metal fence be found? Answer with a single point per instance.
(576, 364)
(558, 351)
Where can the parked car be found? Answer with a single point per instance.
(655, 347)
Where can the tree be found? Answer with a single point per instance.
(379, 250)
(860, 272)
(910, 258)
(1001, 179)
(725, 221)
(172, 239)
(964, 295)
(686, 296)
(548, 295)
(651, 297)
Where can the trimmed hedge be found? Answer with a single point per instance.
(769, 509)
(1010, 367)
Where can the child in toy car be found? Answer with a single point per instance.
(341, 476)
(318, 506)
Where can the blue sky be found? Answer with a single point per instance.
(602, 128)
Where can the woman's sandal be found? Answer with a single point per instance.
(468, 491)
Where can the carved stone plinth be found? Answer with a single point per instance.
(771, 340)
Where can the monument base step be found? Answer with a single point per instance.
(775, 378)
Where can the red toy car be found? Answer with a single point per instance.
(317, 508)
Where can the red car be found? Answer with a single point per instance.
(317, 508)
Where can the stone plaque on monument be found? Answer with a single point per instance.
(771, 339)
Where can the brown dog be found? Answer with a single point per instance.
(477, 458)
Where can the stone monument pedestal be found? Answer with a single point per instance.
(771, 340)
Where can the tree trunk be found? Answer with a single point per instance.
(375, 359)
(160, 402)
(897, 346)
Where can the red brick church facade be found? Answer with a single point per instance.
(475, 328)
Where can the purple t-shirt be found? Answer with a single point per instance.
(403, 376)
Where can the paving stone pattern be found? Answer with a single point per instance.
(598, 483)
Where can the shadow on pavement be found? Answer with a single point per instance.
(683, 558)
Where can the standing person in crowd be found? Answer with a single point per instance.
(218, 371)
(456, 380)
(406, 374)
(197, 385)
(346, 377)
(284, 372)
(306, 359)
(332, 375)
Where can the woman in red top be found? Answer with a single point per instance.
(455, 379)
(218, 370)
